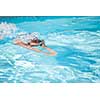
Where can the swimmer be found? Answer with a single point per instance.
(35, 42)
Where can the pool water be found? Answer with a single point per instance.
(75, 39)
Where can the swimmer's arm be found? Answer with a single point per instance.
(20, 43)
(31, 48)
(52, 52)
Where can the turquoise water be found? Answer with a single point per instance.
(75, 39)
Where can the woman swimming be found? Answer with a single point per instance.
(35, 42)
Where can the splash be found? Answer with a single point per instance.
(6, 29)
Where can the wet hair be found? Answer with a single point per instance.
(28, 43)
(36, 41)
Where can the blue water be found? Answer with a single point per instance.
(76, 39)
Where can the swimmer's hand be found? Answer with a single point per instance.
(51, 52)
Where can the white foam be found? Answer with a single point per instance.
(83, 40)
(7, 29)
(16, 56)
(23, 63)
(26, 37)
(65, 72)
